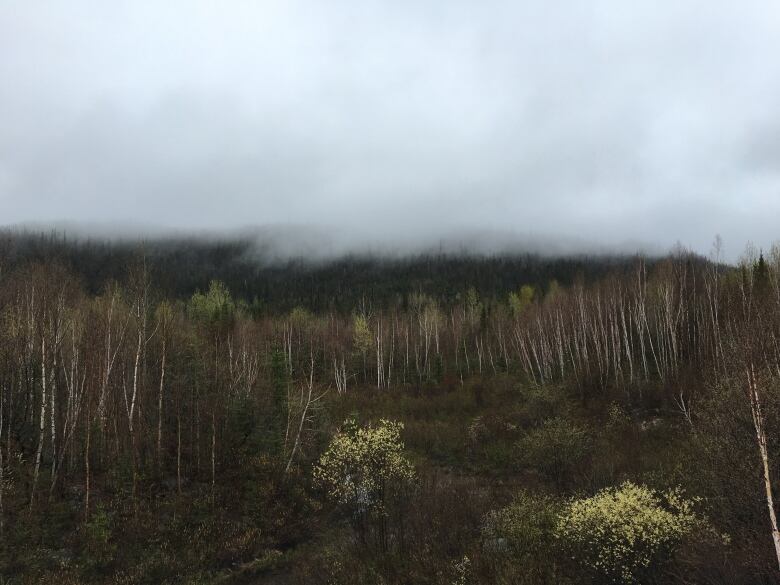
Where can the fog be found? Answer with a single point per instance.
(352, 125)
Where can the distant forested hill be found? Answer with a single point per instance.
(180, 266)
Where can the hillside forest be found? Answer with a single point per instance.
(184, 411)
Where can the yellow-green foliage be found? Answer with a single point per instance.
(215, 305)
(520, 301)
(624, 533)
(362, 336)
(473, 307)
(300, 317)
(362, 465)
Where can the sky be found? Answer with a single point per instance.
(397, 121)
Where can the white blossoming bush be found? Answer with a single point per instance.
(622, 534)
(365, 466)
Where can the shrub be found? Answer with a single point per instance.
(519, 541)
(526, 527)
(364, 470)
(556, 449)
(98, 546)
(624, 534)
(362, 465)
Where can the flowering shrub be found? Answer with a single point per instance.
(364, 466)
(624, 533)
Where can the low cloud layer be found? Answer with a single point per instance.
(397, 122)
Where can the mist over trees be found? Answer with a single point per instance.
(177, 412)
(183, 265)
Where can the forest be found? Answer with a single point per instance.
(186, 411)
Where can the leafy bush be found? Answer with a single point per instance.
(557, 448)
(363, 465)
(365, 471)
(624, 534)
(526, 527)
(520, 541)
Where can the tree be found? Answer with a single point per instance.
(473, 307)
(753, 357)
(215, 307)
(362, 338)
(521, 300)
(306, 403)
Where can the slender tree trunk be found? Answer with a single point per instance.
(213, 455)
(758, 424)
(86, 469)
(42, 425)
(53, 413)
(306, 405)
(160, 406)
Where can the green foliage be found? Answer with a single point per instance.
(256, 308)
(557, 449)
(214, 307)
(624, 534)
(519, 541)
(164, 312)
(521, 300)
(761, 278)
(362, 339)
(244, 431)
(473, 307)
(525, 527)
(300, 317)
(98, 547)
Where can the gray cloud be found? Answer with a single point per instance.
(397, 122)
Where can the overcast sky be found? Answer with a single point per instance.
(609, 121)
